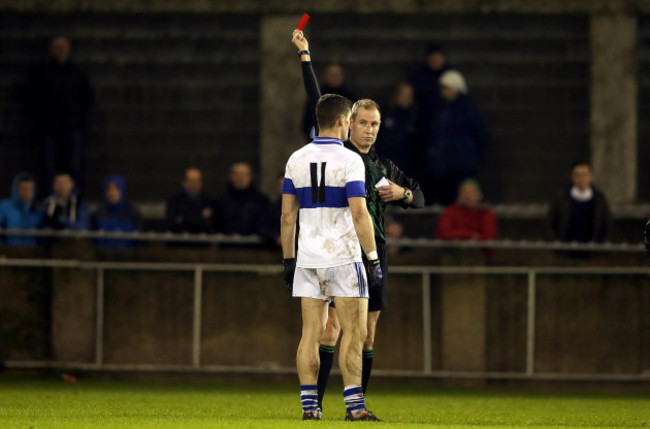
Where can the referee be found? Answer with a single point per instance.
(395, 188)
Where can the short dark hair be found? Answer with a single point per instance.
(580, 162)
(330, 108)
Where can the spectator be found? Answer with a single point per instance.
(19, 211)
(397, 127)
(466, 219)
(61, 97)
(332, 82)
(190, 210)
(426, 84)
(460, 139)
(269, 226)
(580, 211)
(64, 209)
(117, 214)
(239, 209)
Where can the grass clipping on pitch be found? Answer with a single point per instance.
(43, 404)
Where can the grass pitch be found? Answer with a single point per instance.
(30, 403)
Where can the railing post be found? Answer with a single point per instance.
(426, 321)
(99, 321)
(196, 328)
(530, 329)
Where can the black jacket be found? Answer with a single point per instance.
(60, 96)
(376, 167)
(185, 213)
(239, 212)
(559, 217)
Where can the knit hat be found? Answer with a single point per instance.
(454, 79)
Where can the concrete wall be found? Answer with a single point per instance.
(584, 324)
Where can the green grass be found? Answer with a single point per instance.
(48, 403)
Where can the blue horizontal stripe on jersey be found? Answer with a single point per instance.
(335, 197)
(355, 189)
(287, 187)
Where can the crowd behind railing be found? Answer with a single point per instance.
(420, 132)
(579, 219)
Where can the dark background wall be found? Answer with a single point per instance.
(183, 89)
(173, 90)
(528, 74)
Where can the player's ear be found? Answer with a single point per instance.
(340, 121)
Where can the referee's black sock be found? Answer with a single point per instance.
(326, 354)
(367, 355)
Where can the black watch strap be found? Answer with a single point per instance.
(305, 52)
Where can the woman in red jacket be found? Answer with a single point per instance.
(465, 219)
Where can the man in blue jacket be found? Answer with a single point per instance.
(19, 211)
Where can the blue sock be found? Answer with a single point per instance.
(353, 397)
(308, 397)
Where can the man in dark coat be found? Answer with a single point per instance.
(332, 82)
(60, 100)
(190, 210)
(425, 81)
(460, 139)
(580, 212)
(398, 127)
(239, 209)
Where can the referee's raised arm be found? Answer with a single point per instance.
(308, 76)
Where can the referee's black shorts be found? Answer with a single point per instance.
(378, 299)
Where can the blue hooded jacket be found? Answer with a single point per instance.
(15, 214)
(121, 216)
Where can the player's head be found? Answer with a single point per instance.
(241, 176)
(364, 124)
(333, 115)
(581, 175)
(469, 193)
(193, 181)
(63, 185)
(60, 48)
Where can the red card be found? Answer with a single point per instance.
(303, 22)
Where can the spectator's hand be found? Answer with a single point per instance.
(300, 41)
(392, 192)
(206, 213)
(375, 275)
(289, 271)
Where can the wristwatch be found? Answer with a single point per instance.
(407, 194)
(305, 52)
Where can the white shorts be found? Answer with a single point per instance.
(347, 281)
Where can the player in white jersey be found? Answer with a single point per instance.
(325, 183)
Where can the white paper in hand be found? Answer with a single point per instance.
(382, 182)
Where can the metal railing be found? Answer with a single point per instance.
(169, 237)
(425, 272)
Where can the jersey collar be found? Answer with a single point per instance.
(327, 140)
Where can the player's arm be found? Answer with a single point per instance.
(363, 225)
(290, 206)
(308, 76)
(399, 184)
